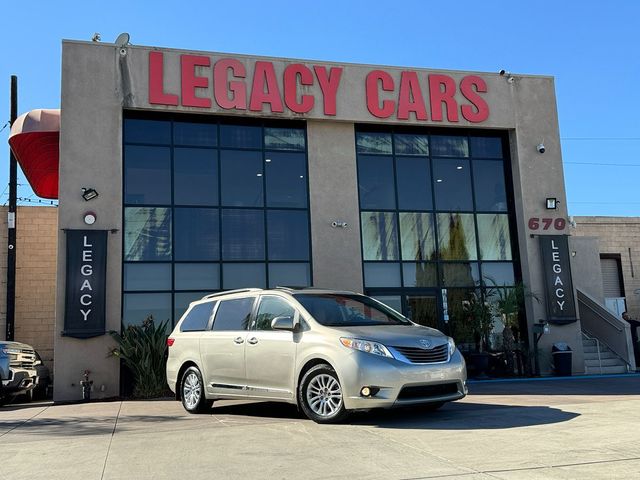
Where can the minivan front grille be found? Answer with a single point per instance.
(422, 355)
(427, 391)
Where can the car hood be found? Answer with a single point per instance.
(395, 335)
(21, 346)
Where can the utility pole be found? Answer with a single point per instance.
(11, 221)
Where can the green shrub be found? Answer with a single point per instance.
(143, 348)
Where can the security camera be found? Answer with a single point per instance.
(502, 72)
(541, 148)
(334, 224)
(123, 51)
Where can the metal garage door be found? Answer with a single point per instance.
(611, 278)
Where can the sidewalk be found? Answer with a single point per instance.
(558, 429)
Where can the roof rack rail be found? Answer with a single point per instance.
(284, 287)
(227, 292)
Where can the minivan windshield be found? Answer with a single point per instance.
(344, 310)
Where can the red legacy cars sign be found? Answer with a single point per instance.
(267, 91)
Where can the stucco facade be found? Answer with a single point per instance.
(101, 81)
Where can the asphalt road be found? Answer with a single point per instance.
(567, 429)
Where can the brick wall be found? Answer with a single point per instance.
(35, 277)
(621, 236)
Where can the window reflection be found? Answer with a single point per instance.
(418, 239)
(196, 234)
(284, 138)
(379, 236)
(373, 143)
(495, 240)
(286, 176)
(446, 146)
(375, 182)
(147, 234)
(452, 184)
(488, 182)
(242, 234)
(413, 183)
(241, 178)
(195, 176)
(456, 236)
(147, 175)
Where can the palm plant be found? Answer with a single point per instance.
(508, 302)
(142, 348)
(480, 317)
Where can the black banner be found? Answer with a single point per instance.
(561, 306)
(85, 299)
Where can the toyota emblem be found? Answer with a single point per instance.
(425, 343)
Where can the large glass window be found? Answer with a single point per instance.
(211, 205)
(435, 221)
(270, 308)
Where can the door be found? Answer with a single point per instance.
(222, 348)
(270, 354)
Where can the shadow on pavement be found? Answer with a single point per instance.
(453, 416)
(574, 386)
(79, 426)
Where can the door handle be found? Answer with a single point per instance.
(253, 340)
(239, 340)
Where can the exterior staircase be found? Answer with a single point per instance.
(599, 359)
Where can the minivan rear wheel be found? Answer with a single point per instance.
(320, 395)
(192, 391)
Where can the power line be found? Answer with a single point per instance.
(600, 139)
(604, 203)
(605, 164)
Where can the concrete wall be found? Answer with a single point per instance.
(98, 82)
(585, 266)
(90, 156)
(621, 236)
(337, 256)
(36, 252)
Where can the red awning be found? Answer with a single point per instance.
(35, 141)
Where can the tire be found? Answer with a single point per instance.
(192, 392)
(320, 395)
(28, 396)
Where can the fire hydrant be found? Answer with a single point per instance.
(86, 386)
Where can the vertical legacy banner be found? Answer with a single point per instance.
(561, 306)
(85, 301)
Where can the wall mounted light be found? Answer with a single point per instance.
(89, 194)
(552, 203)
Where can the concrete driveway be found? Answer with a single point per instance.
(559, 429)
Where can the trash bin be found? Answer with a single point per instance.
(562, 354)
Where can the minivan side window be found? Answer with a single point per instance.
(270, 308)
(198, 317)
(233, 314)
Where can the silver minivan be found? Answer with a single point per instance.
(327, 351)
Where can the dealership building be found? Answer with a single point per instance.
(182, 173)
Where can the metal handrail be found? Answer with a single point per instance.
(591, 337)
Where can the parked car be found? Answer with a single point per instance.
(43, 379)
(4, 373)
(329, 352)
(22, 376)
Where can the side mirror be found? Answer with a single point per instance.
(282, 323)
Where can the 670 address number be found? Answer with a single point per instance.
(546, 223)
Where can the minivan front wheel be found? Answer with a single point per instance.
(192, 391)
(320, 395)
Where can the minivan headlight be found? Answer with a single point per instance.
(452, 347)
(366, 346)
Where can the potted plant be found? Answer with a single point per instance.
(507, 304)
(142, 349)
(480, 317)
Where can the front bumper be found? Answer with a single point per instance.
(20, 381)
(423, 383)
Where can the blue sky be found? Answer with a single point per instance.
(590, 47)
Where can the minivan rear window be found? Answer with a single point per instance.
(333, 310)
(198, 317)
(233, 314)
